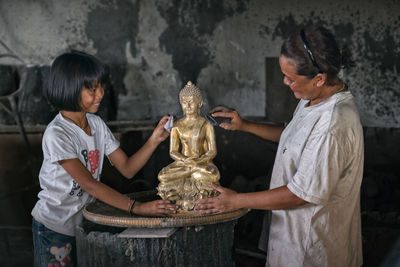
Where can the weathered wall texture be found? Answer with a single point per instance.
(153, 47)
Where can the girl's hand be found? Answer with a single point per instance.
(159, 133)
(225, 112)
(224, 202)
(156, 208)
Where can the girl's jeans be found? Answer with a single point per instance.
(52, 249)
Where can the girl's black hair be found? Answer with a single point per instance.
(69, 74)
(314, 50)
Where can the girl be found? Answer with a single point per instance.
(73, 147)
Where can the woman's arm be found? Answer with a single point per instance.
(130, 166)
(265, 131)
(82, 176)
(228, 200)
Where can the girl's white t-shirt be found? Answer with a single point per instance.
(61, 198)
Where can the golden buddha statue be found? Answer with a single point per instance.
(190, 176)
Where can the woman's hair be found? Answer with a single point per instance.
(69, 74)
(314, 50)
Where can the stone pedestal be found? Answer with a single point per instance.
(192, 246)
(111, 237)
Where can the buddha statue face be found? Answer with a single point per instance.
(190, 105)
(190, 99)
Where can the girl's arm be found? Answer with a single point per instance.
(266, 131)
(82, 176)
(228, 200)
(130, 166)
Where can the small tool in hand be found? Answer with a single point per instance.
(217, 120)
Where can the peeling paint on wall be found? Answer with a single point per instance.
(110, 27)
(190, 24)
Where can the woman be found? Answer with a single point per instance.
(316, 179)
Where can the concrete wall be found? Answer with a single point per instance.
(153, 47)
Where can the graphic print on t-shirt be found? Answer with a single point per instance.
(76, 186)
(93, 160)
(85, 156)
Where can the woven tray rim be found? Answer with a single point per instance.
(157, 222)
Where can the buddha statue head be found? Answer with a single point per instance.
(191, 99)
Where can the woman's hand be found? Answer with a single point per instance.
(236, 122)
(156, 208)
(159, 133)
(224, 202)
